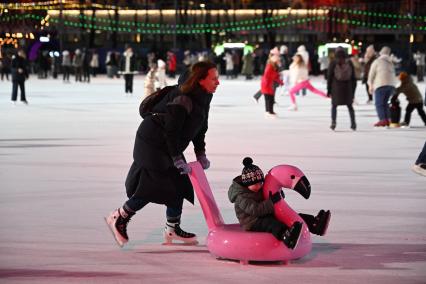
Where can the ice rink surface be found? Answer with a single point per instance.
(65, 156)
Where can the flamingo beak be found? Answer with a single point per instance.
(303, 187)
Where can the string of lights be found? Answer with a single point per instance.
(255, 27)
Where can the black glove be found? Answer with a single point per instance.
(181, 165)
(276, 197)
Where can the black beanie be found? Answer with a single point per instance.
(251, 174)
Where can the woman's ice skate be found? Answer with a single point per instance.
(172, 232)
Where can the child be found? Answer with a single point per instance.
(150, 80)
(299, 79)
(256, 214)
(415, 100)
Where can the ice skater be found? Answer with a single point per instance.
(414, 97)
(128, 69)
(159, 170)
(19, 67)
(341, 85)
(270, 79)
(299, 79)
(381, 81)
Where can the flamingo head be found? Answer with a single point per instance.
(288, 177)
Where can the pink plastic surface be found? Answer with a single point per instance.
(230, 241)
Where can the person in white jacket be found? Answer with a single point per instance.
(160, 75)
(299, 79)
(381, 80)
(301, 50)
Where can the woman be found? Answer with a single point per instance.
(267, 88)
(341, 84)
(159, 170)
(299, 79)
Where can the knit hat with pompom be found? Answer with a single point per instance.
(251, 174)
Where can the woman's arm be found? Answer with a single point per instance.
(174, 120)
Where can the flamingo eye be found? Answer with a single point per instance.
(292, 177)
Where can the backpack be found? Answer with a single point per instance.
(343, 72)
(147, 105)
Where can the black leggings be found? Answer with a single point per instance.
(351, 113)
(269, 103)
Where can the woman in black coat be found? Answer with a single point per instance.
(159, 170)
(341, 84)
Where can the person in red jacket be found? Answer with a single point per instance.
(171, 64)
(270, 76)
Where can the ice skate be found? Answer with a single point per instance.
(117, 222)
(420, 169)
(292, 107)
(270, 115)
(333, 125)
(291, 236)
(173, 232)
(382, 123)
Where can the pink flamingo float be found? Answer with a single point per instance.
(230, 241)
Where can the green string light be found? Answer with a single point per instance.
(183, 29)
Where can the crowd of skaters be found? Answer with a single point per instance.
(276, 68)
(341, 71)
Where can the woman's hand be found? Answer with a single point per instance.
(181, 165)
(202, 159)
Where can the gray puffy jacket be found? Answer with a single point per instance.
(249, 205)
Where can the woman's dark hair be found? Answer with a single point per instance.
(199, 71)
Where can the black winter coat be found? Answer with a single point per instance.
(19, 69)
(342, 92)
(182, 119)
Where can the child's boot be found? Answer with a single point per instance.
(321, 222)
(291, 236)
(117, 222)
(172, 231)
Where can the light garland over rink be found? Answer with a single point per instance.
(133, 27)
(284, 18)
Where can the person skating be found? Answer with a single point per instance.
(19, 67)
(128, 69)
(270, 78)
(369, 57)
(159, 170)
(341, 84)
(414, 97)
(381, 81)
(299, 79)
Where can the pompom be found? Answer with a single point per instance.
(247, 161)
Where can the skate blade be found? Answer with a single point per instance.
(193, 243)
(120, 244)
